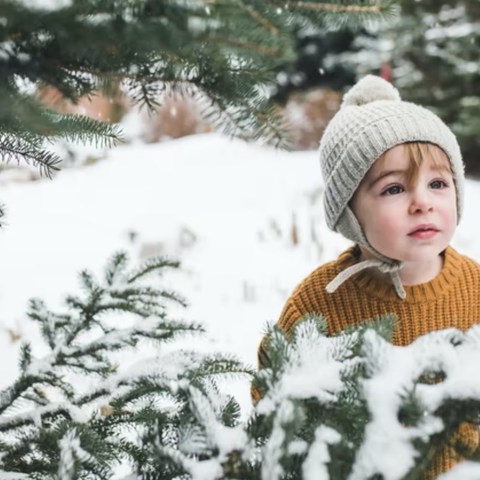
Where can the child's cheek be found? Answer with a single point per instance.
(388, 222)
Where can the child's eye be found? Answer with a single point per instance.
(438, 184)
(393, 190)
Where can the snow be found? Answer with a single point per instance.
(49, 5)
(315, 465)
(225, 439)
(387, 448)
(465, 471)
(168, 369)
(245, 220)
(70, 450)
(452, 31)
(227, 209)
(303, 377)
(209, 469)
(37, 413)
(273, 449)
(13, 476)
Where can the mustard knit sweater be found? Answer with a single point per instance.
(451, 299)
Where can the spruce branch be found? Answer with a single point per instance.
(239, 43)
(157, 264)
(81, 129)
(148, 48)
(374, 7)
(22, 149)
(261, 19)
(88, 431)
(45, 412)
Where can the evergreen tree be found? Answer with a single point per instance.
(224, 53)
(330, 404)
(319, 62)
(75, 413)
(355, 406)
(430, 53)
(435, 63)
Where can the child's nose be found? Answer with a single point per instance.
(421, 202)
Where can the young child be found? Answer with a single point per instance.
(394, 185)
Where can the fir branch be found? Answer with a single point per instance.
(10, 395)
(159, 295)
(219, 364)
(81, 129)
(376, 7)
(21, 149)
(49, 411)
(256, 15)
(151, 265)
(115, 267)
(239, 43)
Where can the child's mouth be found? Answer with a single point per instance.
(424, 231)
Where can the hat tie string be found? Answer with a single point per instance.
(384, 267)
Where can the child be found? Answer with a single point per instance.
(394, 184)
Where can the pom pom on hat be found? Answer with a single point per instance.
(370, 89)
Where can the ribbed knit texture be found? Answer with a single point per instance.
(452, 299)
(371, 120)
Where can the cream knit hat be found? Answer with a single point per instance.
(371, 120)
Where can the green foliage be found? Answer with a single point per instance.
(92, 403)
(87, 430)
(224, 53)
(303, 415)
(325, 401)
(434, 55)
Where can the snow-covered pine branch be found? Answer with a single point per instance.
(55, 425)
(352, 406)
(356, 407)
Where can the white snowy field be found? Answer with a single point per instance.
(245, 221)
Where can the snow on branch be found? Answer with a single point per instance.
(355, 406)
(351, 406)
(452, 355)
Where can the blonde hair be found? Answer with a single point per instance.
(418, 152)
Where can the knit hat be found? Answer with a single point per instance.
(371, 120)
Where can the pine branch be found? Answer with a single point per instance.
(11, 394)
(49, 411)
(375, 6)
(151, 47)
(36, 419)
(21, 149)
(81, 129)
(151, 265)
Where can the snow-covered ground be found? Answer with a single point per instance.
(246, 222)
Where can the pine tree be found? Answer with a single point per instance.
(435, 61)
(355, 406)
(224, 53)
(152, 415)
(327, 401)
(430, 53)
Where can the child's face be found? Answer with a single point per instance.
(405, 222)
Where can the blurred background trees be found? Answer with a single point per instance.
(436, 62)
(431, 53)
(224, 55)
(270, 70)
